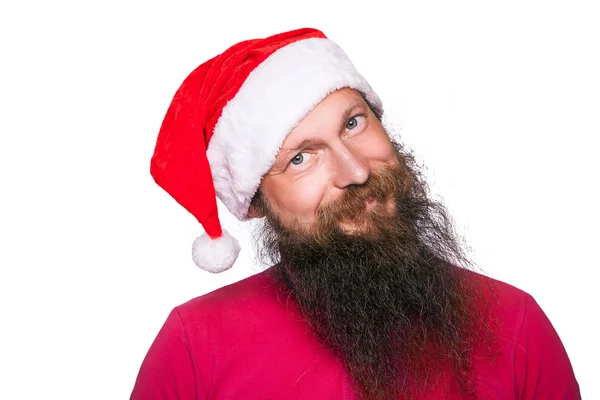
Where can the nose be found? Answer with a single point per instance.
(351, 167)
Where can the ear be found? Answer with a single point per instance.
(253, 212)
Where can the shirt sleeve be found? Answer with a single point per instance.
(542, 367)
(167, 372)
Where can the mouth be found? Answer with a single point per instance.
(370, 203)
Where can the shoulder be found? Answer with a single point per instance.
(242, 308)
(504, 297)
(246, 293)
(530, 346)
(510, 298)
(514, 307)
(504, 306)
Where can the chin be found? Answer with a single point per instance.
(362, 227)
(354, 229)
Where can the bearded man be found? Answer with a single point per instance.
(370, 295)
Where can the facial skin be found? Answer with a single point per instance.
(338, 144)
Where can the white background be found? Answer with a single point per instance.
(501, 102)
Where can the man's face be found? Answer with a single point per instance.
(338, 144)
(356, 239)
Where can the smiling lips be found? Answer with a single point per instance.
(370, 203)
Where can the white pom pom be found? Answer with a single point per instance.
(215, 255)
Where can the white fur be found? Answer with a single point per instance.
(215, 255)
(270, 103)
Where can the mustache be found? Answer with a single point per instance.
(381, 186)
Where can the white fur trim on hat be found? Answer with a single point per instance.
(271, 102)
(215, 255)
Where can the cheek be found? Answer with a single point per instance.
(377, 148)
(304, 198)
(299, 200)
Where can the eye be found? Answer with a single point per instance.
(353, 122)
(298, 159)
(302, 160)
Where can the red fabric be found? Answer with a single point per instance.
(179, 164)
(248, 341)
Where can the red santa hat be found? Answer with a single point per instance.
(228, 120)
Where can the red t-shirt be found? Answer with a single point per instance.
(248, 341)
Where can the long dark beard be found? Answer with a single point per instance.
(385, 297)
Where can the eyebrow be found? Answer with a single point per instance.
(350, 110)
(287, 152)
(308, 142)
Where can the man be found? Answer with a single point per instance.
(370, 295)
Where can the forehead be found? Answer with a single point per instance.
(331, 107)
(327, 114)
